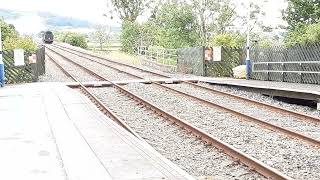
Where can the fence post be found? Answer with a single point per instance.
(1, 64)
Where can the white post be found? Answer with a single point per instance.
(248, 63)
(1, 63)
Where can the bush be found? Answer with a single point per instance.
(75, 39)
(7, 30)
(228, 40)
(232, 54)
(25, 43)
(11, 39)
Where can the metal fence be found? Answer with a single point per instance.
(29, 72)
(230, 58)
(191, 60)
(158, 58)
(300, 64)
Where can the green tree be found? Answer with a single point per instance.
(75, 39)
(148, 33)
(302, 12)
(304, 35)
(213, 16)
(176, 26)
(127, 10)
(130, 36)
(102, 35)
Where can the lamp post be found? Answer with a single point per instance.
(1, 63)
(248, 61)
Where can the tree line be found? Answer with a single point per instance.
(180, 23)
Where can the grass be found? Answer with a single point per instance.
(121, 57)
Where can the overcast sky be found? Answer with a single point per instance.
(93, 10)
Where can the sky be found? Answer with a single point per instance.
(93, 10)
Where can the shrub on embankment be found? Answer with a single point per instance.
(12, 40)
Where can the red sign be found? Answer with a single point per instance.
(33, 59)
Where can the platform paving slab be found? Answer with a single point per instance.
(79, 141)
(27, 147)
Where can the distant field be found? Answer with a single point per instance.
(113, 46)
(121, 57)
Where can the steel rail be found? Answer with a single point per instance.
(104, 109)
(301, 116)
(242, 116)
(249, 161)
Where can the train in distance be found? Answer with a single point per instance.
(47, 37)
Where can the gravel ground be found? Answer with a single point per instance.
(104, 71)
(289, 156)
(175, 144)
(53, 73)
(265, 99)
(283, 120)
(76, 71)
(132, 70)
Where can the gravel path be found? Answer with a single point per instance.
(283, 120)
(104, 71)
(265, 99)
(74, 70)
(289, 156)
(53, 73)
(175, 144)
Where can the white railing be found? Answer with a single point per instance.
(299, 63)
(159, 58)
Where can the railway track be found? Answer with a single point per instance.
(301, 116)
(254, 164)
(273, 125)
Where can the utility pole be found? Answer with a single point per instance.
(1, 63)
(248, 61)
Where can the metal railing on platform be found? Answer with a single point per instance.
(159, 58)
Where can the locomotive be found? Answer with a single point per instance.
(47, 37)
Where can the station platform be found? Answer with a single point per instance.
(272, 88)
(49, 131)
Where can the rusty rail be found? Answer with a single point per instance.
(251, 162)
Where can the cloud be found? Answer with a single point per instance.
(28, 23)
(91, 10)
